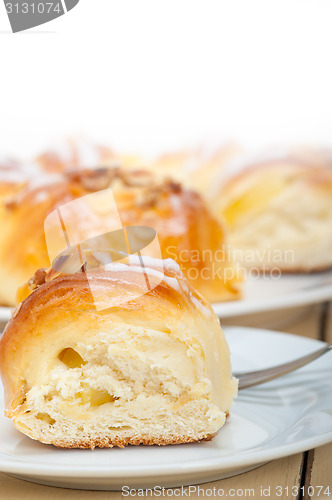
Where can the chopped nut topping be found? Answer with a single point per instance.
(101, 178)
(154, 193)
(136, 178)
(173, 186)
(11, 203)
(38, 279)
(94, 179)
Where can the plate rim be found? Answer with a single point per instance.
(298, 298)
(154, 471)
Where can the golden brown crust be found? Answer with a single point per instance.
(121, 443)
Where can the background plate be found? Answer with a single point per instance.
(280, 418)
(288, 291)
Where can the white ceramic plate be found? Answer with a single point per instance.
(280, 418)
(288, 291)
(263, 295)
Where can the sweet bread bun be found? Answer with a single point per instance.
(74, 153)
(186, 229)
(154, 369)
(279, 213)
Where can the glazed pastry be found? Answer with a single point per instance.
(186, 229)
(279, 213)
(154, 369)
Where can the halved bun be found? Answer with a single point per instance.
(154, 369)
(279, 214)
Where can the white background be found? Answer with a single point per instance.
(147, 74)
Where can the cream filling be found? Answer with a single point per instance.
(126, 383)
(127, 377)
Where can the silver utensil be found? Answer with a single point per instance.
(249, 379)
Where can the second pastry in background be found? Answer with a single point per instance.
(279, 212)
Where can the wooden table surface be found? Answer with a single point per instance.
(312, 468)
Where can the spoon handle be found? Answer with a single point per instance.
(250, 379)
